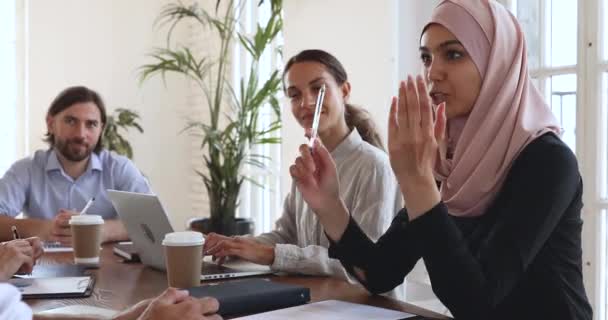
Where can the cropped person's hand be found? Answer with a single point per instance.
(37, 248)
(16, 256)
(223, 247)
(176, 304)
(134, 311)
(36, 251)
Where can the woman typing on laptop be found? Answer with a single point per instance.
(317, 86)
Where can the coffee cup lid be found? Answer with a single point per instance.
(86, 219)
(183, 239)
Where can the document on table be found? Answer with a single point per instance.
(80, 311)
(63, 287)
(53, 246)
(331, 310)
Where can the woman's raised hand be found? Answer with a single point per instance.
(316, 177)
(413, 142)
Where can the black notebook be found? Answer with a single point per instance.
(242, 297)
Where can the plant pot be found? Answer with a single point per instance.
(239, 226)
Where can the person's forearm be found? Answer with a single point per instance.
(310, 260)
(420, 195)
(377, 265)
(335, 220)
(114, 230)
(26, 227)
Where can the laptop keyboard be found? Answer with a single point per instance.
(217, 271)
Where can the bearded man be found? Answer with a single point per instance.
(54, 184)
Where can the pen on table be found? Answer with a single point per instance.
(15, 233)
(317, 115)
(86, 206)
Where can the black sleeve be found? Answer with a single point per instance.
(386, 262)
(538, 190)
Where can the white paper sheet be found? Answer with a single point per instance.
(331, 310)
(51, 285)
(55, 247)
(81, 310)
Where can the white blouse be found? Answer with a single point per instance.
(11, 306)
(371, 194)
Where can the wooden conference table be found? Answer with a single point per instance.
(120, 285)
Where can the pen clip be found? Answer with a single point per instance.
(15, 233)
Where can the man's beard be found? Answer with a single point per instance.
(69, 149)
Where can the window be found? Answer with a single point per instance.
(263, 205)
(568, 58)
(550, 28)
(8, 83)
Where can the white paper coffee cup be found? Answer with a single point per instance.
(183, 258)
(86, 238)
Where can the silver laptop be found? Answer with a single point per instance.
(147, 223)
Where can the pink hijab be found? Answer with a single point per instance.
(508, 114)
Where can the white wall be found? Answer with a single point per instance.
(100, 44)
(413, 16)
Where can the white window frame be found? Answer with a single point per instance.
(591, 145)
(23, 106)
(13, 109)
(262, 205)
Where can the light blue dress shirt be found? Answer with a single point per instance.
(38, 186)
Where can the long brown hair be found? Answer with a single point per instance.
(356, 117)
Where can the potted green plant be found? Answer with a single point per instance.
(113, 140)
(232, 127)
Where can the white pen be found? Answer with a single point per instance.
(86, 206)
(15, 233)
(315, 120)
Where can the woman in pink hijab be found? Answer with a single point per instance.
(501, 238)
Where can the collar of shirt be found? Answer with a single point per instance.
(53, 163)
(350, 144)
